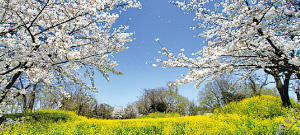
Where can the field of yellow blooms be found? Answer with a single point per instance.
(257, 115)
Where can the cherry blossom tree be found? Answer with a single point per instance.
(41, 40)
(243, 36)
(118, 113)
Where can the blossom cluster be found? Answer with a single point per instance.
(44, 39)
(240, 35)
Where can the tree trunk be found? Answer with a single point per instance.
(79, 109)
(298, 95)
(253, 87)
(283, 88)
(297, 91)
(284, 94)
(32, 98)
(24, 103)
(17, 109)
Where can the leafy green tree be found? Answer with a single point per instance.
(103, 111)
(162, 100)
(219, 92)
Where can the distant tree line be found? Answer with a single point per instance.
(214, 94)
(224, 90)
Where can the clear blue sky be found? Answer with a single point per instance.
(156, 19)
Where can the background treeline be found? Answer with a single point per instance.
(214, 94)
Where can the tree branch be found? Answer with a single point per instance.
(9, 85)
(53, 26)
(8, 71)
(39, 14)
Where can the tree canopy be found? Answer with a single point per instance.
(44, 39)
(243, 36)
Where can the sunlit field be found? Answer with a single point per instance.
(257, 115)
(149, 67)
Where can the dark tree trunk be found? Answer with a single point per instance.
(283, 88)
(80, 109)
(24, 103)
(284, 94)
(32, 98)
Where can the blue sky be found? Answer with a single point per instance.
(156, 19)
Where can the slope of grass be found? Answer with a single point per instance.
(257, 115)
(260, 106)
(44, 115)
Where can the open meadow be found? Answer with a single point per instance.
(149, 67)
(256, 115)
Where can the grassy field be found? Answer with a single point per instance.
(257, 115)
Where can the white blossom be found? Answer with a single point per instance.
(154, 65)
(295, 61)
(48, 39)
(157, 39)
(240, 36)
(22, 91)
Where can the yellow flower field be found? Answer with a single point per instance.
(265, 117)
